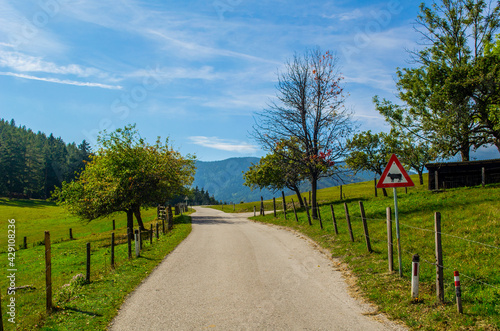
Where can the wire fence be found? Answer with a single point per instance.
(68, 261)
(427, 254)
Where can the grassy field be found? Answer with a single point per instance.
(79, 306)
(471, 241)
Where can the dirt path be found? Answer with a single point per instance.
(234, 274)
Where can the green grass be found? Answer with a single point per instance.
(469, 213)
(78, 307)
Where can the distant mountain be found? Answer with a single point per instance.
(224, 179)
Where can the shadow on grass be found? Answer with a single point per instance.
(26, 203)
(182, 220)
(76, 310)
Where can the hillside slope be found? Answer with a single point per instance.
(224, 179)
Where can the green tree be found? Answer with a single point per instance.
(414, 153)
(371, 152)
(126, 174)
(309, 108)
(277, 171)
(438, 100)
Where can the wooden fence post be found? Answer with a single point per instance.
(137, 237)
(483, 176)
(254, 211)
(307, 210)
(274, 206)
(129, 242)
(439, 258)
(334, 220)
(157, 230)
(365, 227)
(295, 212)
(1, 319)
(319, 217)
(163, 225)
(262, 213)
(170, 218)
(436, 180)
(88, 263)
(25, 243)
(112, 250)
(70, 234)
(348, 219)
(48, 274)
(340, 192)
(375, 184)
(151, 235)
(284, 203)
(390, 246)
(114, 225)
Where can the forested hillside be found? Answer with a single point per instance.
(32, 164)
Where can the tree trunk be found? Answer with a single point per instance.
(314, 187)
(130, 220)
(421, 177)
(137, 213)
(299, 196)
(465, 154)
(384, 191)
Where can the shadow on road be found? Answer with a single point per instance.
(205, 220)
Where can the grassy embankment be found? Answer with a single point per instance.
(469, 216)
(78, 306)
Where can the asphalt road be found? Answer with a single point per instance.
(234, 274)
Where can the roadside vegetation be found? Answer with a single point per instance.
(470, 227)
(79, 305)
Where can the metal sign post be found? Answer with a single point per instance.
(400, 262)
(395, 176)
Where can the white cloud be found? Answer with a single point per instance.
(26, 63)
(224, 144)
(62, 81)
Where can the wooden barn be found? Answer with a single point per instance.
(460, 174)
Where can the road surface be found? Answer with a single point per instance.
(234, 274)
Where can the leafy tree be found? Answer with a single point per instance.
(126, 174)
(370, 152)
(309, 108)
(277, 171)
(438, 97)
(414, 153)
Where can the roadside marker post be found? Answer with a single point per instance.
(415, 276)
(458, 292)
(395, 176)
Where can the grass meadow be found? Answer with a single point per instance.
(470, 221)
(78, 306)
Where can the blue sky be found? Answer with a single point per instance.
(195, 71)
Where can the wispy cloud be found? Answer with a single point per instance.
(27, 63)
(224, 144)
(62, 81)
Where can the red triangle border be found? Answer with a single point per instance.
(392, 160)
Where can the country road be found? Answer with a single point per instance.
(234, 274)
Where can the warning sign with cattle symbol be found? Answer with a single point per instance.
(394, 175)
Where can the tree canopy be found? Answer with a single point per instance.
(125, 174)
(448, 98)
(277, 171)
(309, 108)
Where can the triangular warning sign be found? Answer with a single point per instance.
(394, 175)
